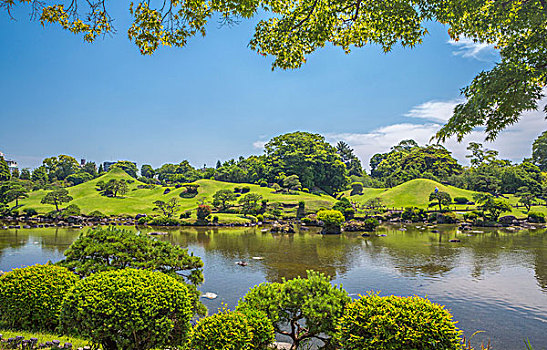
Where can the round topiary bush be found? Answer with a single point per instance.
(227, 330)
(31, 297)
(374, 322)
(129, 309)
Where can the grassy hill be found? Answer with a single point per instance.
(139, 200)
(411, 193)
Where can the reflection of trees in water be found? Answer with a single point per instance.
(285, 256)
(420, 251)
(11, 239)
(54, 240)
(413, 252)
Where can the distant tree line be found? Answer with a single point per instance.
(303, 161)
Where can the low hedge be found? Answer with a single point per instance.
(31, 297)
(396, 323)
(129, 309)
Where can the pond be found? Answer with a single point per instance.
(493, 280)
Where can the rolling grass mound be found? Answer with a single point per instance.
(411, 193)
(140, 200)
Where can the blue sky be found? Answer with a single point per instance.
(217, 99)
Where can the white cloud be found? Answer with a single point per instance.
(514, 143)
(439, 111)
(259, 144)
(468, 48)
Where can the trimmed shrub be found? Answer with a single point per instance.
(228, 330)
(129, 309)
(356, 188)
(164, 221)
(96, 214)
(186, 214)
(245, 189)
(71, 210)
(460, 200)
(349, 213)
(536, 217)
(31, 297)
(263, 183)
(378, 323)
(260, 218)
(203, 212)
(371, 224)
(444, 218)
(471, 216)
(30, 212)
(144, 220)
(215, 219)
(414, 214)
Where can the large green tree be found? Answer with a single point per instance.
(58, 168)
(311, 158)
(353, 164)
(291, 30)
(539, 151)
(407, 161)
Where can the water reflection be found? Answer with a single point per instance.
(495, 280)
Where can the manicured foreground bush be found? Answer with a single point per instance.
(396, 323)
(31, 297)
(232, 330)
(129, 309)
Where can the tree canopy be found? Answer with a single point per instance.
(289, 31)
(311, 158)
(408, 161)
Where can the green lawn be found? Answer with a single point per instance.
(411, 193)
(138, 201)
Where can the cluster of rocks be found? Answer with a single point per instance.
(280, 227)
(74, 221)
(19, 342)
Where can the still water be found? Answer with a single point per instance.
(493, 281)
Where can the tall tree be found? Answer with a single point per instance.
(147, 171)
(289, 31)
(311, 158)
(4, 170)
(25, 174)
(91, 169)
(58, 168)
(353, 164)
(539, 151)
